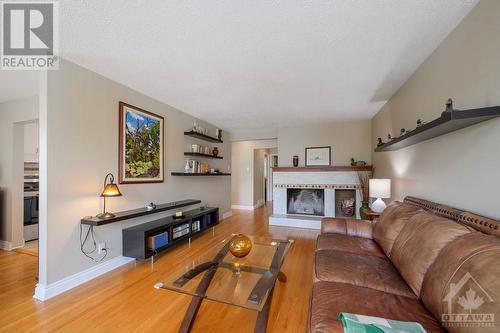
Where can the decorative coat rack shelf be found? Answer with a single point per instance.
(450, 120)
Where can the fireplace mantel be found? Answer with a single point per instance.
(323, 168)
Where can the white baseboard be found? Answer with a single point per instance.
(242, 207)
(44, 292)
(227, 215)
(260, 203)
(4, 245)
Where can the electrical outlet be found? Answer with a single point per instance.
(101, 247)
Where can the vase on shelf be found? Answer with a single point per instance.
(295, 161)
(215, 151)
(363, 210)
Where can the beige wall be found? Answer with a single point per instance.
(82, 141)
(13, 116)
(242, 169)
(460, 168)
(347, 139)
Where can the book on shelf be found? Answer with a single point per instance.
(194, 166)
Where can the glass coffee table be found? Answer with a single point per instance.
(219, 276)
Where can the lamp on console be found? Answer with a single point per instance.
(109, 190)
(379, 189)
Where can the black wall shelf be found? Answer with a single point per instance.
(202, 155)
(450, 120)
(203, 137)
(187, 174)
(135, 238)
(129, 214)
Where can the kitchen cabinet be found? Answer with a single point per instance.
(31, 142)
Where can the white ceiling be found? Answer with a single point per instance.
(246, 65)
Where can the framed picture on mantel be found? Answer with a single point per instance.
(318, 156)
(141, 147)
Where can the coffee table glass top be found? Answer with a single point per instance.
(245, 282)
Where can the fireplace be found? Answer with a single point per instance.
(306, 201)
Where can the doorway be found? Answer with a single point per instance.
(251, 178)
(27, 228)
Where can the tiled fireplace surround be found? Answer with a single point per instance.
(330, 181)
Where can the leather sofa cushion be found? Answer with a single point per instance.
(330, 298)
(390, 224)
(360, 270)
(345, 226)
(349, 244)
(420, 242)
(470, 262)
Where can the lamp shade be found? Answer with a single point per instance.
(111, 190)
(380, 188)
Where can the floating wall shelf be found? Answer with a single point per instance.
(202, 155)
(203, 137)
(130, 214)
(450, 120)
(188, 174)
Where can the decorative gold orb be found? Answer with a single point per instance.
(240, 245)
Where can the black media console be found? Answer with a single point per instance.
(136, 238)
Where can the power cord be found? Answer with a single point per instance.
(90, 232)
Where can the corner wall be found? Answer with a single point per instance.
(258, 176)
(461, 168)
(81, 128)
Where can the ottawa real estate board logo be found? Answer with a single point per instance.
(29, 35)
(467, 304)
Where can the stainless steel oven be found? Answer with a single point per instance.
(31, 201)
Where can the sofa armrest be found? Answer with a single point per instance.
(344, 226)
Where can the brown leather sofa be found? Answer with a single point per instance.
(418, 262)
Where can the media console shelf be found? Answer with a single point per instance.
(135, 239)
(450, 120)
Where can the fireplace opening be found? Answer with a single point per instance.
(305, 201)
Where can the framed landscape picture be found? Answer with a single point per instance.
(140, 146)
(318, 156)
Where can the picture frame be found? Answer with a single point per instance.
(318, 156)
(141, 157)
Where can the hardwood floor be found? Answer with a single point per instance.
(125, 301)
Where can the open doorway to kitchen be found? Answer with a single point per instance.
(31, 188)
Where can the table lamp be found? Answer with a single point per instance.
(109, 190)
(379, 189)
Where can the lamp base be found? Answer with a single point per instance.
(106, 215)
(378, 206)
